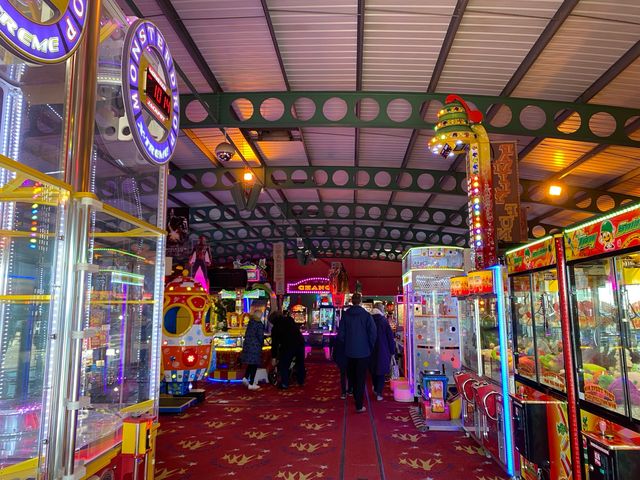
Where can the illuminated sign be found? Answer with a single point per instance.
(309, 285)
(47, 42)
(151, 95)
(480, 282)
(459, 286)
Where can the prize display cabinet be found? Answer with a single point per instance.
(82, 202)
(543, 433)
(603, 261)
(485, 378)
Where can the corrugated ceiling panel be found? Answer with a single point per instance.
(493, 39)
(567, 217)
(623, 90)
(374, 196)
(382, 147)
(234, 39)
(448, 202)
(402, 43)
(330, 146)
(630, 187)
(610, 164)
(188, 155)
(301, 195)
(283, 153)
(414, 199)
(317, 43)
(551, 156)
(335, 195)
(587, 44)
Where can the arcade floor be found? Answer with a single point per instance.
(309, 433)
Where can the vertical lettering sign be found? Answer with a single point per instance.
(278, 267)
(151, 95)
(42, 42)
(506, 187)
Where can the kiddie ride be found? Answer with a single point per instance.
(187, 330)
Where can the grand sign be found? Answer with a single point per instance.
(151, 95)
(43, 42)
(309, 285)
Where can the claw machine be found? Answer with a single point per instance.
(545, 425)
(603, 259)
(90, 117)
(431, 329)
(486, 374)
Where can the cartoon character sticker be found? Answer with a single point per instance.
(607, 235)
(527, 258)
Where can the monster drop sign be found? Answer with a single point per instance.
(151, 92)
(43, 41)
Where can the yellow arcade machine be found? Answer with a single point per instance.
(81, 254)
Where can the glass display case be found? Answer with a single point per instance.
(468, 334)
(628, 268)
(524, 342)
(81, 267)
(432, 337)
(600, 357)
(538, 333)
(548, 331)
(489, 337)
(32, 213)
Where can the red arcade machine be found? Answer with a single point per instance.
(603, 265)
(544, 412)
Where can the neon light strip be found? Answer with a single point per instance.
(504, 366)
(432, 247)
(115, 250)
(529, 245)
(603, 218)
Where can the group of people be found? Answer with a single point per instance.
(365, 342)
(287, 347)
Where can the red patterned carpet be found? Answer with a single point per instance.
(309, 433)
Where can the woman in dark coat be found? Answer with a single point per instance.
(252, 349)
(385, 347)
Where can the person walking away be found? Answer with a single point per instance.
(252, 349)
(290, 346)
(339, 356)
(385, 347)
(358, 332)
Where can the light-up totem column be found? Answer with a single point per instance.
(459, 129)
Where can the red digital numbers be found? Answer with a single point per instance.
(155, 91)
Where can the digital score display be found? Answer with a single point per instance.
(158, 100)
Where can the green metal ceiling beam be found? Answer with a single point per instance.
(343, 234)
(331, 211)
(391, 251)
(370, 178)
(378, 178)
(325, 109)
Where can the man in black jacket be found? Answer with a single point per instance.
(358, 332)
(287, 344)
